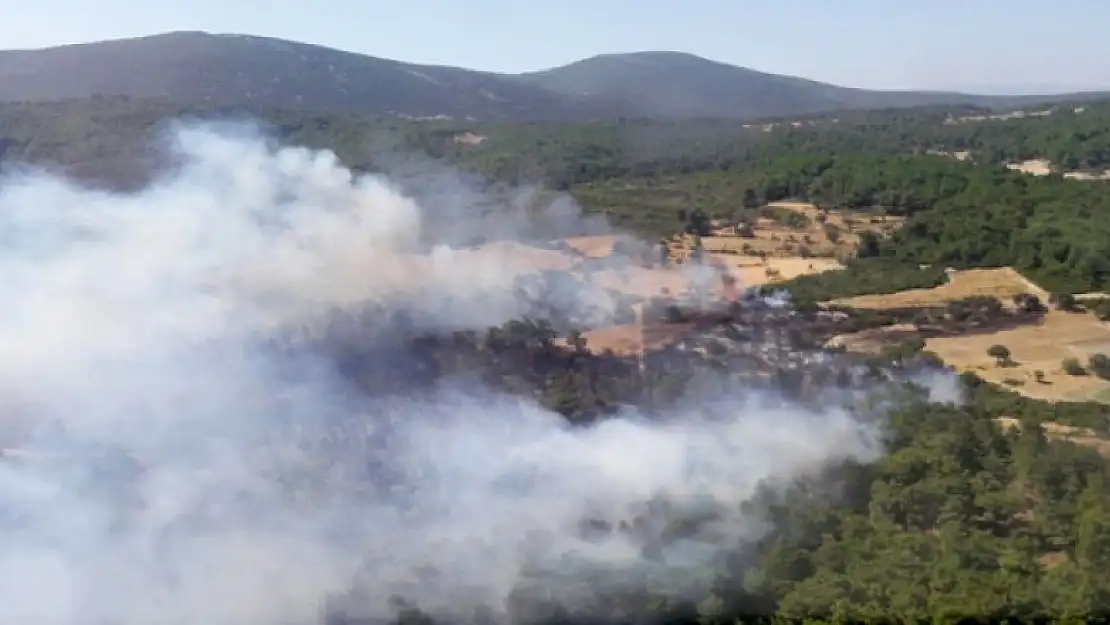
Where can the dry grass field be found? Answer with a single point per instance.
(779, 240)
(1002, 283)
(1033, 348)
(753, 271)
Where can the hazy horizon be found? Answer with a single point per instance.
(987, 47)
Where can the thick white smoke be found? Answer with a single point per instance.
(129, 324)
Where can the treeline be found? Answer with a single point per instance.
(107, 139)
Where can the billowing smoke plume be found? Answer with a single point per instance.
(170, 471)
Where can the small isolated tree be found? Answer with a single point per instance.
(1064, 301)
(576, 340)
(697, 254)
(1099, 364)
(1072, 367)
(1102, 310)
(869, 243)
(832, 233)
(1028, 302)
(1001, 353)
(750, 199)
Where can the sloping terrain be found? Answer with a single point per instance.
(192, 67)
(674, 84)
(239, 70)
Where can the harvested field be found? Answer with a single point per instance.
(1042, 348)
(752, 271)
(1002, 283)
(641, 282)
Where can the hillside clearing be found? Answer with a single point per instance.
(1002, 283)
(754, 271)
(1042, 347)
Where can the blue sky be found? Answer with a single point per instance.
(949, 44)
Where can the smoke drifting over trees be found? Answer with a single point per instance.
(190, 370)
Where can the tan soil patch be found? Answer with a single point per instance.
(626, 340)
(1002, 283)
(1033, 167)
(752, 271)
(1086, 175)
(643, 282)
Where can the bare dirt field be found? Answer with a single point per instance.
(1033, 167)
(1002, 283)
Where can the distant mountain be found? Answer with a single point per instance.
(193, 67)
(676, 84)
(239, 70)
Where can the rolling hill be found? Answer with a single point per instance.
(675, 84)
(240, 70)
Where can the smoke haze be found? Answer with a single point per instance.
(136, 323)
